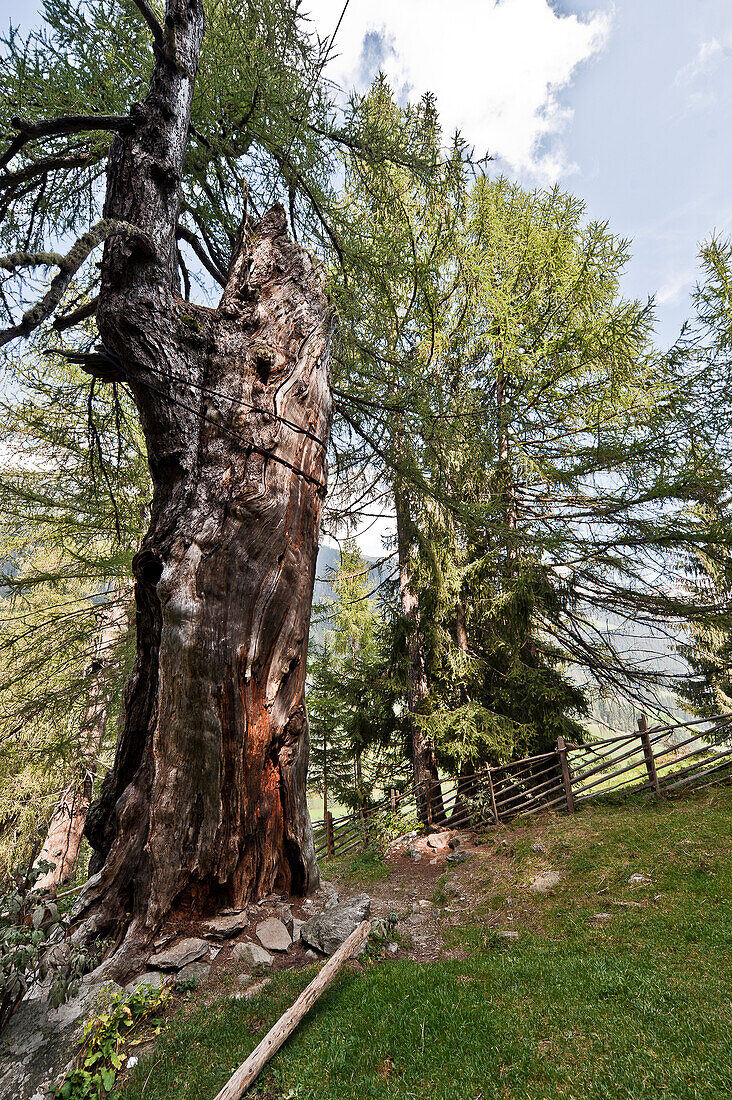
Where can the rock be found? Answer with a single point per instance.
(638, 879)
(454, 842)
(225, 926)
(284, 913)
(506, 934)
(330, 929)
(545, 882)
(439, 841)
(244, 979)
(39, 1042)
(539, 848)
(251, 954)
(392, 948)
(273, 935)
(152, 978)
(313, 955)
(414, 855)
(179, 955)
(600, 916)
(195, 972)
(296, 929)
(458, 857)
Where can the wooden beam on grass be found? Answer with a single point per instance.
(248, 1071)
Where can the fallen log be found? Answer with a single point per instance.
(248, 1071)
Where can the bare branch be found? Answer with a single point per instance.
(68, 265)
(76, 316)
(99, 364)
(41, 167)
(64, 124)
(190, 238)
(151, 19)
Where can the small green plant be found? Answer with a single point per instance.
(106, 1035)
(32, 946)
(441, 893)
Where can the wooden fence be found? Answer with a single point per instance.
(665, 758)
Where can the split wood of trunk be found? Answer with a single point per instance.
(248, 1072)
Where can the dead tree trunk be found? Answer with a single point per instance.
(205, 805)
(63, 839)
(424, 765)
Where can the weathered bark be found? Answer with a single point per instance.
(205, 805)
(63, 839)
(424, 765)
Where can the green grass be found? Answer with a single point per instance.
(636, 1006)
(359, 868)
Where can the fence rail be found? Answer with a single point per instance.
(650, 760)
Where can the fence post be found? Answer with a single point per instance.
(329, 837)
(566, 778)
(648, 753)
(393, 800)
(428, 797)
(493, 798)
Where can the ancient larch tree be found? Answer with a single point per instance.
(205, 805)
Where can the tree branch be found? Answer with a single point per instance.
(68, 265)
(99, 364)
(76, 316)
(151, 19)
(41, 167)
(190, 238)
(64, 124)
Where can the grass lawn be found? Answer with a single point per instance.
(635, 1005)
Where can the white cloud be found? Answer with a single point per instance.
(497, 67)
(675, 287)
(707, 57)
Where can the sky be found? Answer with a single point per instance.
(626, 103)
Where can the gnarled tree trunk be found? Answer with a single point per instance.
(205, 805)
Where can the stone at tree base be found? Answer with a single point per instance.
(180, 954)
(195, 972)
(154, 978)
(283, 912)
(297, 926)
(251, 954)
(545, 882)
(273, 935)
(438, 841)
(224, 927)
(328, 930)
(39, 1042)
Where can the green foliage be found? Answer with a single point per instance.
(351, 725)
(73, 492)
(708, 650)
(32, 946)
(106, 1035)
